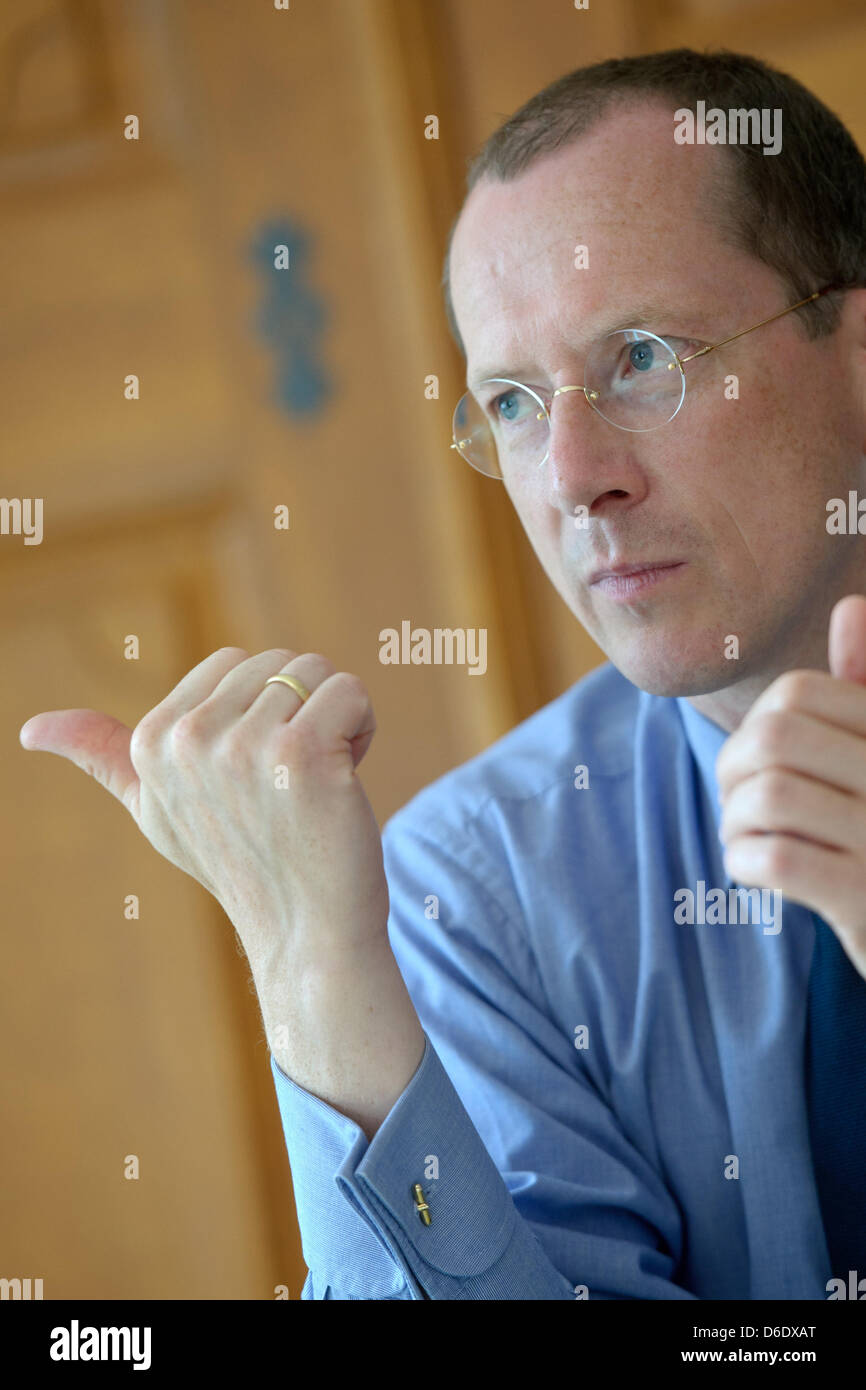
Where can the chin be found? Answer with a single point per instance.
(665, 672)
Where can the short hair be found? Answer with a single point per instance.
(802, 211)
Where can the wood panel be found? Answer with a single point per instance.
(124, 1036)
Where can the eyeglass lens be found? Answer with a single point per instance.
(632, 378)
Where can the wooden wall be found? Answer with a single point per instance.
(154, 257)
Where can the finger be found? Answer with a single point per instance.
(235, 691)
(195, 687)
(797, 742)
(825, 880)
(847, 639)
(337, 718)
(778, 801)
(270, 705)
(817, 693)
(97, 743)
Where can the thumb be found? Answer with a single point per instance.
(847, 639)
(97, 743)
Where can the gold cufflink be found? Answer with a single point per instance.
(420, 1205)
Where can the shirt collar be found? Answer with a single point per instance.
(705, 740)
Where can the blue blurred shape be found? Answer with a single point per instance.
(292, 318)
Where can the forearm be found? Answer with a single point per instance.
(345, 1030)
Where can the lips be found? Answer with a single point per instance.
(623, 571)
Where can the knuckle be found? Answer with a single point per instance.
(240, 652)
(323, 665)
(144, 740)
(775, 792)
(235, 750)
(794, 688)
(351, 685)
(187, 732)
(780, 859)
(775, 732)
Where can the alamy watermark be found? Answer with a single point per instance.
(739, 126)
(855, 1288)
(846, 519)
(76, 1343)
(444, 646)
(736, 907)
(21, 1289)
(22, 516)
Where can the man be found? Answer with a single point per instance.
(611, 1071)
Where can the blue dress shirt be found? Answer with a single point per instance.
(611, 1099)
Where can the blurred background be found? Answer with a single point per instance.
(306, 389)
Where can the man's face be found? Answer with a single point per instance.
(734, 491)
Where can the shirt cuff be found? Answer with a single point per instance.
(360, 1228)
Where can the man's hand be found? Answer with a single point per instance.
(200, 776)
(792, 780)
(253, 792)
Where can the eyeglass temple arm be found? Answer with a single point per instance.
(791, 307)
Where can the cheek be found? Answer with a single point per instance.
(751, 444)
(529, 504)
(542, 523)
(765, 466)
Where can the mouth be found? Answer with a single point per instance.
(626, 581)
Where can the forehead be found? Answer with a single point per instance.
(641, 205)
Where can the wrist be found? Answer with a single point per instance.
(344, 1028)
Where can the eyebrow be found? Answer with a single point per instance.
(642, 316)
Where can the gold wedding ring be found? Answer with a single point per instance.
(291, 681)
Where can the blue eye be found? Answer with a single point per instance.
(641, 356)
(508, 401)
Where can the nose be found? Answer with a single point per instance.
(587, 391)
(590, 463)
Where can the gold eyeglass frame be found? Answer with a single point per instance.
(678, 362)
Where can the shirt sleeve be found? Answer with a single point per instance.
(361, 1232)
(533, 1189)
